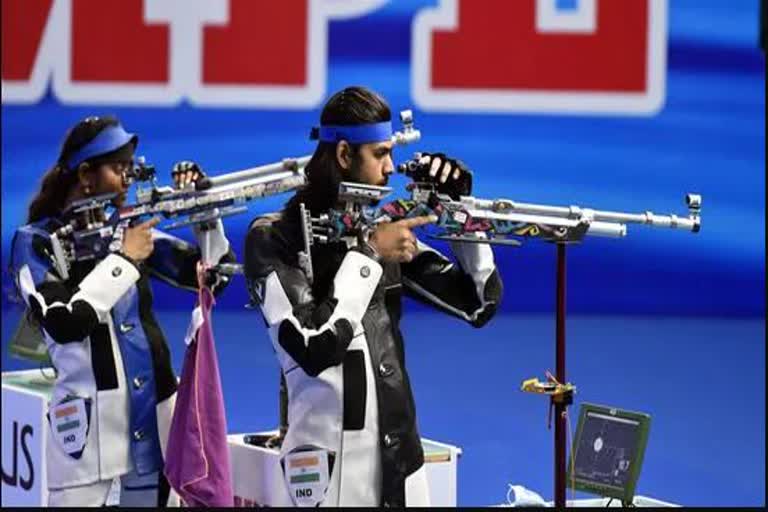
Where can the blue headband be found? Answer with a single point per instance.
(108, 140)
(354, 134)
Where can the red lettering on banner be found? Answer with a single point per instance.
(112, 43)
(592, 56)
(158, 52)
(261, 44)
(23, 24)
(497, 46)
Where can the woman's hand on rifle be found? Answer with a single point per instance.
(186, 172)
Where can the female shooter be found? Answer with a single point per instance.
(114, 393)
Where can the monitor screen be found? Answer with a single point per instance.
(27, 342)
(607, 451)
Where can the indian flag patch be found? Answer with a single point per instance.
(307, 476)
(307, 469)
(69, 424)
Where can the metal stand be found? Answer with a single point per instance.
(559, 391)
(560, 402)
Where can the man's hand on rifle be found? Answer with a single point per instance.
(395, 242)
(186, 172)
(451, 176)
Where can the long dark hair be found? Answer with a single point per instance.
(354, 105)
(58, 180)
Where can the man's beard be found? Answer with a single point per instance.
(355, 175)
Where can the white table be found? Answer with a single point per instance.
(25, 402)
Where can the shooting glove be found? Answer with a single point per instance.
(459, 176)
(187, 171)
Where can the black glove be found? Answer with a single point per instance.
(450, 176)
(185, 172)
(214, 279)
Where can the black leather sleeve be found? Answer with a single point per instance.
(433, 279)
(64, 320)
(174, 261)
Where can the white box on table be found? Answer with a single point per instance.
(25, 403)
(258, 478)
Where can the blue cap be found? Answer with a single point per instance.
(108, 140)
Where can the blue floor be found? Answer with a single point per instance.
(701, 379)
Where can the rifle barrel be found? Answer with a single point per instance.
(691, 222)
(291, 165)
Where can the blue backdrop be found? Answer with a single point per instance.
(708, 138)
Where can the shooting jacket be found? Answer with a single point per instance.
(341, 351)
(107, 348)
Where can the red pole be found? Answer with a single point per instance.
(560, 406)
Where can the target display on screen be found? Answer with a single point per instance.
(607, 451)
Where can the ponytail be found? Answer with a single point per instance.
(52, 196)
